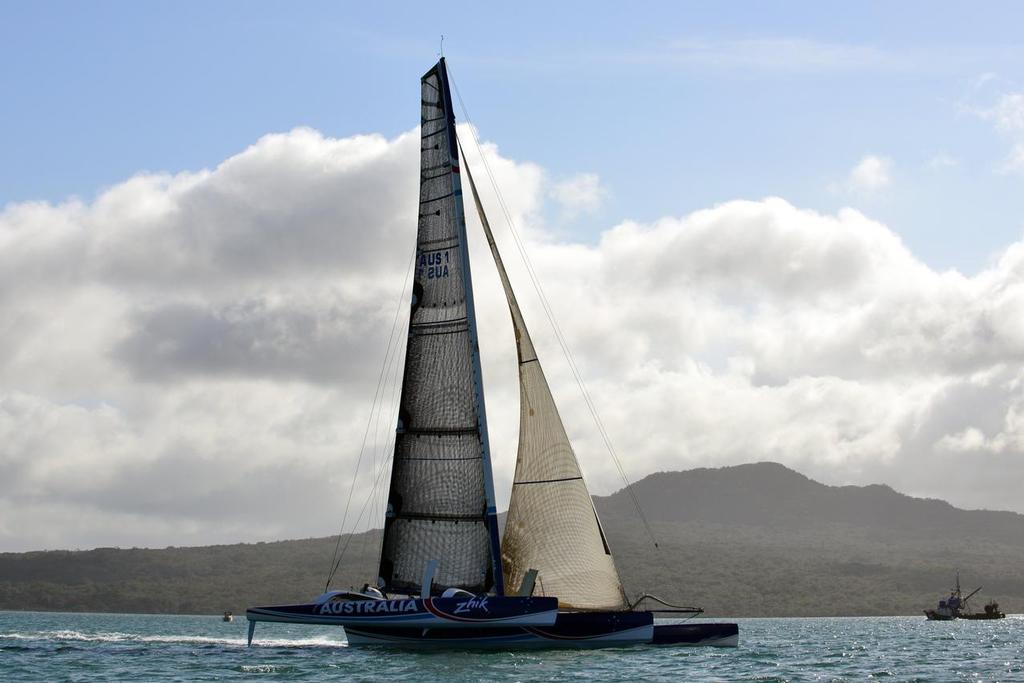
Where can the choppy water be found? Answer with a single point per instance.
(101, 647)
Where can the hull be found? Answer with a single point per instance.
(571, 630)
(457, 613)
(935, 616)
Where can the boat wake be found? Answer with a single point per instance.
(118, 637)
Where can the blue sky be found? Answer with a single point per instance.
(675, 106)
(186, 354)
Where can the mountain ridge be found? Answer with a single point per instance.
(764, 492)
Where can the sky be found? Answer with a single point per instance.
(775, 231)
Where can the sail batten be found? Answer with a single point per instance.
(552, 526)
(441, 497)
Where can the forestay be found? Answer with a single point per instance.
(552, 525)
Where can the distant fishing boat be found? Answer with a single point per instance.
(444, 578)
(957, 607)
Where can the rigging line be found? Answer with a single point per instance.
(381, 462)
(549, 312)
(362, 511)
(396, 403)
(390, 380)
(373, 407)
(379, 496)
(383, 467)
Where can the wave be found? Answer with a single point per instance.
(118, 637)
(264, 669)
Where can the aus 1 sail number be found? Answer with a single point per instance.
(435, 264)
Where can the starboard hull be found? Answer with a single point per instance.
(571, 630)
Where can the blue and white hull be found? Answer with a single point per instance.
(416, 613)
(570, 630)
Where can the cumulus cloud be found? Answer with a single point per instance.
(871, 174)
(192, 358)
(1007, 115)
(583, 193)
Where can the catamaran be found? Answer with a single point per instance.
(445, 577)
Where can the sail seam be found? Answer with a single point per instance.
(440, 323)
(443, 518)
(437, 199)
(439, 333)
(438, 459)
(430, 432)
(546, 481)
(453, 245)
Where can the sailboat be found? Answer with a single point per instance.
(445, 578)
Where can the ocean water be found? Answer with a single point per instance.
(38, 646)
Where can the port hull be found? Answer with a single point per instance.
(570, 630)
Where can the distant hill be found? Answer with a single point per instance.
(750, 540)
(761, 539)
(770, 494)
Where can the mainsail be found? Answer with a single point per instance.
(552, 525)
(441, 498)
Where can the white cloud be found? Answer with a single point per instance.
(583, 193)
(871, 174)
(192, 358)
(1007, 115)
